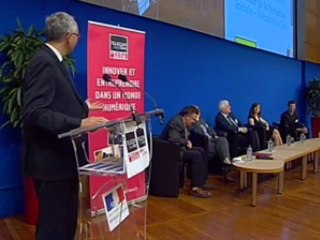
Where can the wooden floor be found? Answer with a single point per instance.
(228, 215)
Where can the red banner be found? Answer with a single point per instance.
(112, 51)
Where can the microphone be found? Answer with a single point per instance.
(124, 78)
(135, 117)
(106, 77)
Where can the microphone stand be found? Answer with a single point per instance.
(135, 117)
(124, 78)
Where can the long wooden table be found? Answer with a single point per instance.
(288, 155)
(309, 146)
(281, 155)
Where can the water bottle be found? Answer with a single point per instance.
(249, 153)
(270, 145)
(288, 140)
(302, 137)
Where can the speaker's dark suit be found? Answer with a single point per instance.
(176, 132)
(237, 140)
(51, 106)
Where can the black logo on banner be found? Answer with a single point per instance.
(119, 47)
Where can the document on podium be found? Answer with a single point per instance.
(104, 167)
(136, 151)
(107, 160)
(129, 155)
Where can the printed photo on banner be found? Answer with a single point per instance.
(116, 206)
(107, 160)
(110, 153)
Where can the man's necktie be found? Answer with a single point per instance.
(234, 123)
(67, 68)
(70, 79)
(186, 132)
(231, 121)
(205, 130)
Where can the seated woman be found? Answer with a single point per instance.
(262, 127)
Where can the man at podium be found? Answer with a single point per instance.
(52, 106)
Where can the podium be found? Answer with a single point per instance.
(111, 215)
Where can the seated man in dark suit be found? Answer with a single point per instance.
(217, 146)
(290, 124)
(237, 135)
(177, 131)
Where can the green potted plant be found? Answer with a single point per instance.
(312, 97)
(18, 48)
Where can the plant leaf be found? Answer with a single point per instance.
(19, 47)
(5, 124)
(19, 96)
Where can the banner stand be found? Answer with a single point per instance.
(114, 51)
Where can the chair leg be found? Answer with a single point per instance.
(181, 178)
(226, 170)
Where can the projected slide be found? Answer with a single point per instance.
(143, 6)
(206, 16)
(263, 24)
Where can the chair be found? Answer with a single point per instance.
(214, 165)
(167, 171)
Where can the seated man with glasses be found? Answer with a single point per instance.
(177, 132)
(239, 136)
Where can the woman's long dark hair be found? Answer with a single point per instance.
(251, 111)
